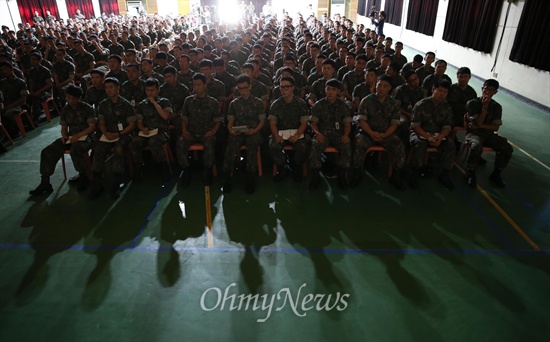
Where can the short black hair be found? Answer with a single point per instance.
(98, 72)
(117, 57)
(463, 70)
(443, 83)
(152, 82)
(491, 83)
(288, 79)
(206, 64)
(243, 79)
(199, 76)
(333, 82)
(170, 70)
(112, 80)
(74, 91)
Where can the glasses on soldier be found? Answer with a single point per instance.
(243, 87)
(286, 86)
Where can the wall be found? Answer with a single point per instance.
(521, 79)
(5, 18)
(168, 7)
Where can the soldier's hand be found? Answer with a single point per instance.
(74, 139)
(345, 139)
(292, 139)
(250, 132)
(320, 137)
(151, 99)
(110, 135)
(209, 134)
(186, 134)
(145, 131)
(234, 132)
(280, 139)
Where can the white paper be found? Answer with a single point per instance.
(104, 139)
(152, 132)
(287, 133)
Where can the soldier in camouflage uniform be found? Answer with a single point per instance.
(176, 92)
(40, 84)
(245, 110)
(63, 74)
(15, 92)
(78, 123)
(185, 74)
(317, 89)
(147, 71)
(153, 113)
(288, 112)
(96, 93)
(331, 122)
(201, 119)
(431, 124)
(117, 121)
(355, 76)
(215, 88)
(258, 89)
(484, 120)
(133, 90)
(378, 121)
(364, 88)
(408, 95)
(84, 61)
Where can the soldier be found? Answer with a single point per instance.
(40, 84)
(245, 118)
(115, 69)
(147, 71)
(288, 114)
(78, 123)
(117, 122)
(63, 74)
(459, 95)
(84, 61)
(408, 95)
(133, 90)
(484, 120)
(331, 122)
(173, 90)
(185, 75)
(439, 74)
(378, 121)
(317, 89)
(431, 124)
(215, 88)
(427, 68)
(15, 92)
(96, 93)
(153, 114)
(364, 88)
(355, 76)
(200, 121)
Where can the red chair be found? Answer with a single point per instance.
(290, 148)
(200, 147)
(19, 122)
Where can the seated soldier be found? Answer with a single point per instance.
(289, 112)
(484, 120)
(96, 93)
(245, 119)
(63, 73)
(431, 124)
(153, 114)
(117, 122)
(133, 90)
(78, 123)
(40, 84)
(331, 122)
(15, 92)
(200, 121)
(378, 121)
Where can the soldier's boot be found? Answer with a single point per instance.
(249, 183)
(315, 179)
(357, 177)
(185, 177)
(207, 176)
(227, 182)
(82, 183)
(43, 188)
(496, 178)
(137, 172)
(471, 178)
(343, 178)
(114, 189)
(282, 173)
(297, 173)
(396, 180)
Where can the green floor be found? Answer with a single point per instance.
(370, 264)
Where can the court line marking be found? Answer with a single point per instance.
(210, 237)
(530, 156)
(502, 212)
(286, 250)
(19, 161)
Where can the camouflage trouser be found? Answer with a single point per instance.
(333, 139)
(301, 150)
(234, 142)
(36, 103)
(419, 146)
(102, 149)
(51, 154)
(498, 143)
(155, 145)
(8, 119)
(392, 144)
(183, 144)
(403, 131)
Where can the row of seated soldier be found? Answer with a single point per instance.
(309, 87)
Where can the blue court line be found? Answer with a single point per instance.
(144, 224)
(536, 213)
(285, 250)
(492, 225)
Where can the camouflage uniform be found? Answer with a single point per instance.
(477, 138)
(77, 120)
(330, 119)
(244, 113)
(82, 61)
(216, 89)
(147, 112)
(39, 77)
(201, 114)
(154, 75)
(121, 76)
(351, 79)
(407, 99)
(432, 79)
(117, 116)
(379, 116)
(289, 116)
(13, 90)
(176, 95)
(458, 99)
(133, 93)
(432, 119)
(94, 96)
(317, 89)
(361, 91)
(62, 70)
(258, 90)
(228, 80)
(186, 79)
